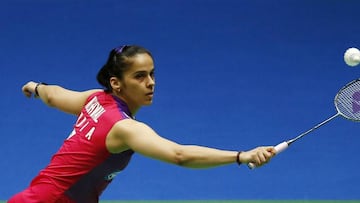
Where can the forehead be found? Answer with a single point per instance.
(141, 62)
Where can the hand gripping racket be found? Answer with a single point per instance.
(347, 103)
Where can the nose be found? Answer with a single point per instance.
(151, 82)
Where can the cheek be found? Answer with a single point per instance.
(133, 90)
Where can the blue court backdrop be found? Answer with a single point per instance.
(231, 74)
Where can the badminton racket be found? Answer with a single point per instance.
(347, 103)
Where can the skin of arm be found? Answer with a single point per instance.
(58, 97)
(131, 134)
(142, 139)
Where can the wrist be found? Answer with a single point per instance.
(36, 89)
(238, 158)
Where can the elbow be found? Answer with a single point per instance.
(180, 158)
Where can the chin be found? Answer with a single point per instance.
(147, 103)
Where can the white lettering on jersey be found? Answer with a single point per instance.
(81, 120)
(94, 109)
(89, 134)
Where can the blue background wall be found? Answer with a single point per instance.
(230, 74)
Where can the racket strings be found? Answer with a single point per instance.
(347, 101)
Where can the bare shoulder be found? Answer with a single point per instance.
(121, 133)
(129, 129)
(87, 93)
(128, 126)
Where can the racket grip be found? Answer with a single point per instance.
(281, 147)
(278, 148)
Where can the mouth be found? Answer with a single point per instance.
(150, 94)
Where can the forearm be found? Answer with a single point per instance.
(47, 94)
(193, 156)
(203, 157)
(41, 91)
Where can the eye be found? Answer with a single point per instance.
(140, 75)
(152, 74)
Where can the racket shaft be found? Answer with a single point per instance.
(312, 129)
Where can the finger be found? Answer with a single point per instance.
(257, 161)
(271, 150)
(266, 156)
(27, 93)
(269, 154)
(261, 155)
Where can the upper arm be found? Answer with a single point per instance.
(142, 139)
(67, 100)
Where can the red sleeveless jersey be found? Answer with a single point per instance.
(83, 167)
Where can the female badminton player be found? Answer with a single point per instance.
(106, 135)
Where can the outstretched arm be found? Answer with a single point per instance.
(142, 139)
(58, 97)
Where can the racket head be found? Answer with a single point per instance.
(347, 101)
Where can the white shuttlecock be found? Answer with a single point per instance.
(352, 57)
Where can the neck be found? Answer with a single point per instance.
(132, 108)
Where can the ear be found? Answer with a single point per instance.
(115, 84)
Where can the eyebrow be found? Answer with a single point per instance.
(144, 71)
(141, 72)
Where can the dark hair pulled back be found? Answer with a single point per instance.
(118, 62)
